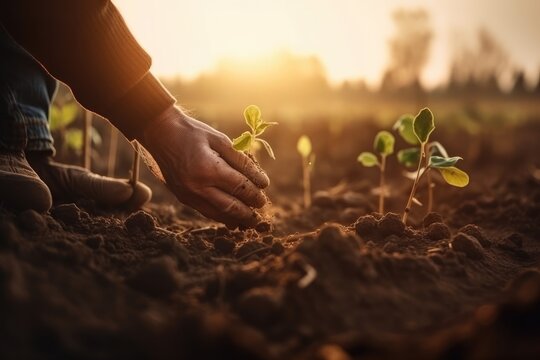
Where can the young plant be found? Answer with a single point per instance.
(257, 125)
(384, 146)
(87, 140)
(61, 121)
(308, 161)
(422, 126)
(135, 166)
(411, 156)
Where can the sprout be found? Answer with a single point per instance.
(247, 140)
(308, 162)
(384, 146)
(430, 155)
(62, 119)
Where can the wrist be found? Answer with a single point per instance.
(135, 109)
(154, 125)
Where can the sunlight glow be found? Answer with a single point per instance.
(349, 36)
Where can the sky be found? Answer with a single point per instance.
(189, 37)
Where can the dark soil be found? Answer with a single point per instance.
(331, 282)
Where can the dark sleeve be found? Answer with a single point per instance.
(87, 45)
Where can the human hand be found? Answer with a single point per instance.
(202, 169)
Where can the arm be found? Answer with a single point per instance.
(87, 45)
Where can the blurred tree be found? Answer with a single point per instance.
(409, 50)
(520, 85)
(479, 69)
(538, 84)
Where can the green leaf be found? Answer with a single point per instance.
(263, 126)
(252, 114)
(70, 112)
(454, 176)
(409, 157)
(423, 125)
(436, 148)
(384, 143)
(443, 162)
(243, 142)
(267, 147)
(368, 159)
(55, 118)
(304, 146)
(405, 128)
(61, 117)
(74, 139)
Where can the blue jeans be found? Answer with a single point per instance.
(26, 92)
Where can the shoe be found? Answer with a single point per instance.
(71, 183)
(20, 187)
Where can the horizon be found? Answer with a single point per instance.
(206, 33)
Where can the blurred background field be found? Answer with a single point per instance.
(477, 66)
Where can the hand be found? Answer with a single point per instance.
(202, 169)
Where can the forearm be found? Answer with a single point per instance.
(87, 45)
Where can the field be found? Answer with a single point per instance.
(334, 281)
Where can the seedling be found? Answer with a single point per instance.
(87, 140)
(135, 166)
(257, 125)
(384, 146)
(113, 149)
(422, 126)
(61, 119)
(409, 157)
(308, 161)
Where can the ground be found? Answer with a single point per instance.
(335, 281)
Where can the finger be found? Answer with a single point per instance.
(230, 207)
(240, 161)
(238, 186)
(210, 211)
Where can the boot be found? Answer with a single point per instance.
(71, 183)
(20, 186)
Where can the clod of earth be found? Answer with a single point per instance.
(438, 231)
(140, 222)
(467, 244)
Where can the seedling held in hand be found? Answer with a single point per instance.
(384, 146)
(308, 161)
(257, 125)
(422, 126)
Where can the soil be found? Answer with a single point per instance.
(332, 282)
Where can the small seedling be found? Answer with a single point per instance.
(87, 140)
(422, 126)
(308, 161)
(384, 146)
(409, 157)
(61, 120)
(257, 125)
(135, 166)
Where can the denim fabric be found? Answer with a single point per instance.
(26, 91)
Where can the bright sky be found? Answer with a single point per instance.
(187, 37)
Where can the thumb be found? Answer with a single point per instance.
(240, 161)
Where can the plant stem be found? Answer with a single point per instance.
(135, 167)
(87, 140)
(430, 191)
(113, 147)
(307, 183)
(415, 184)
(381, 185)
